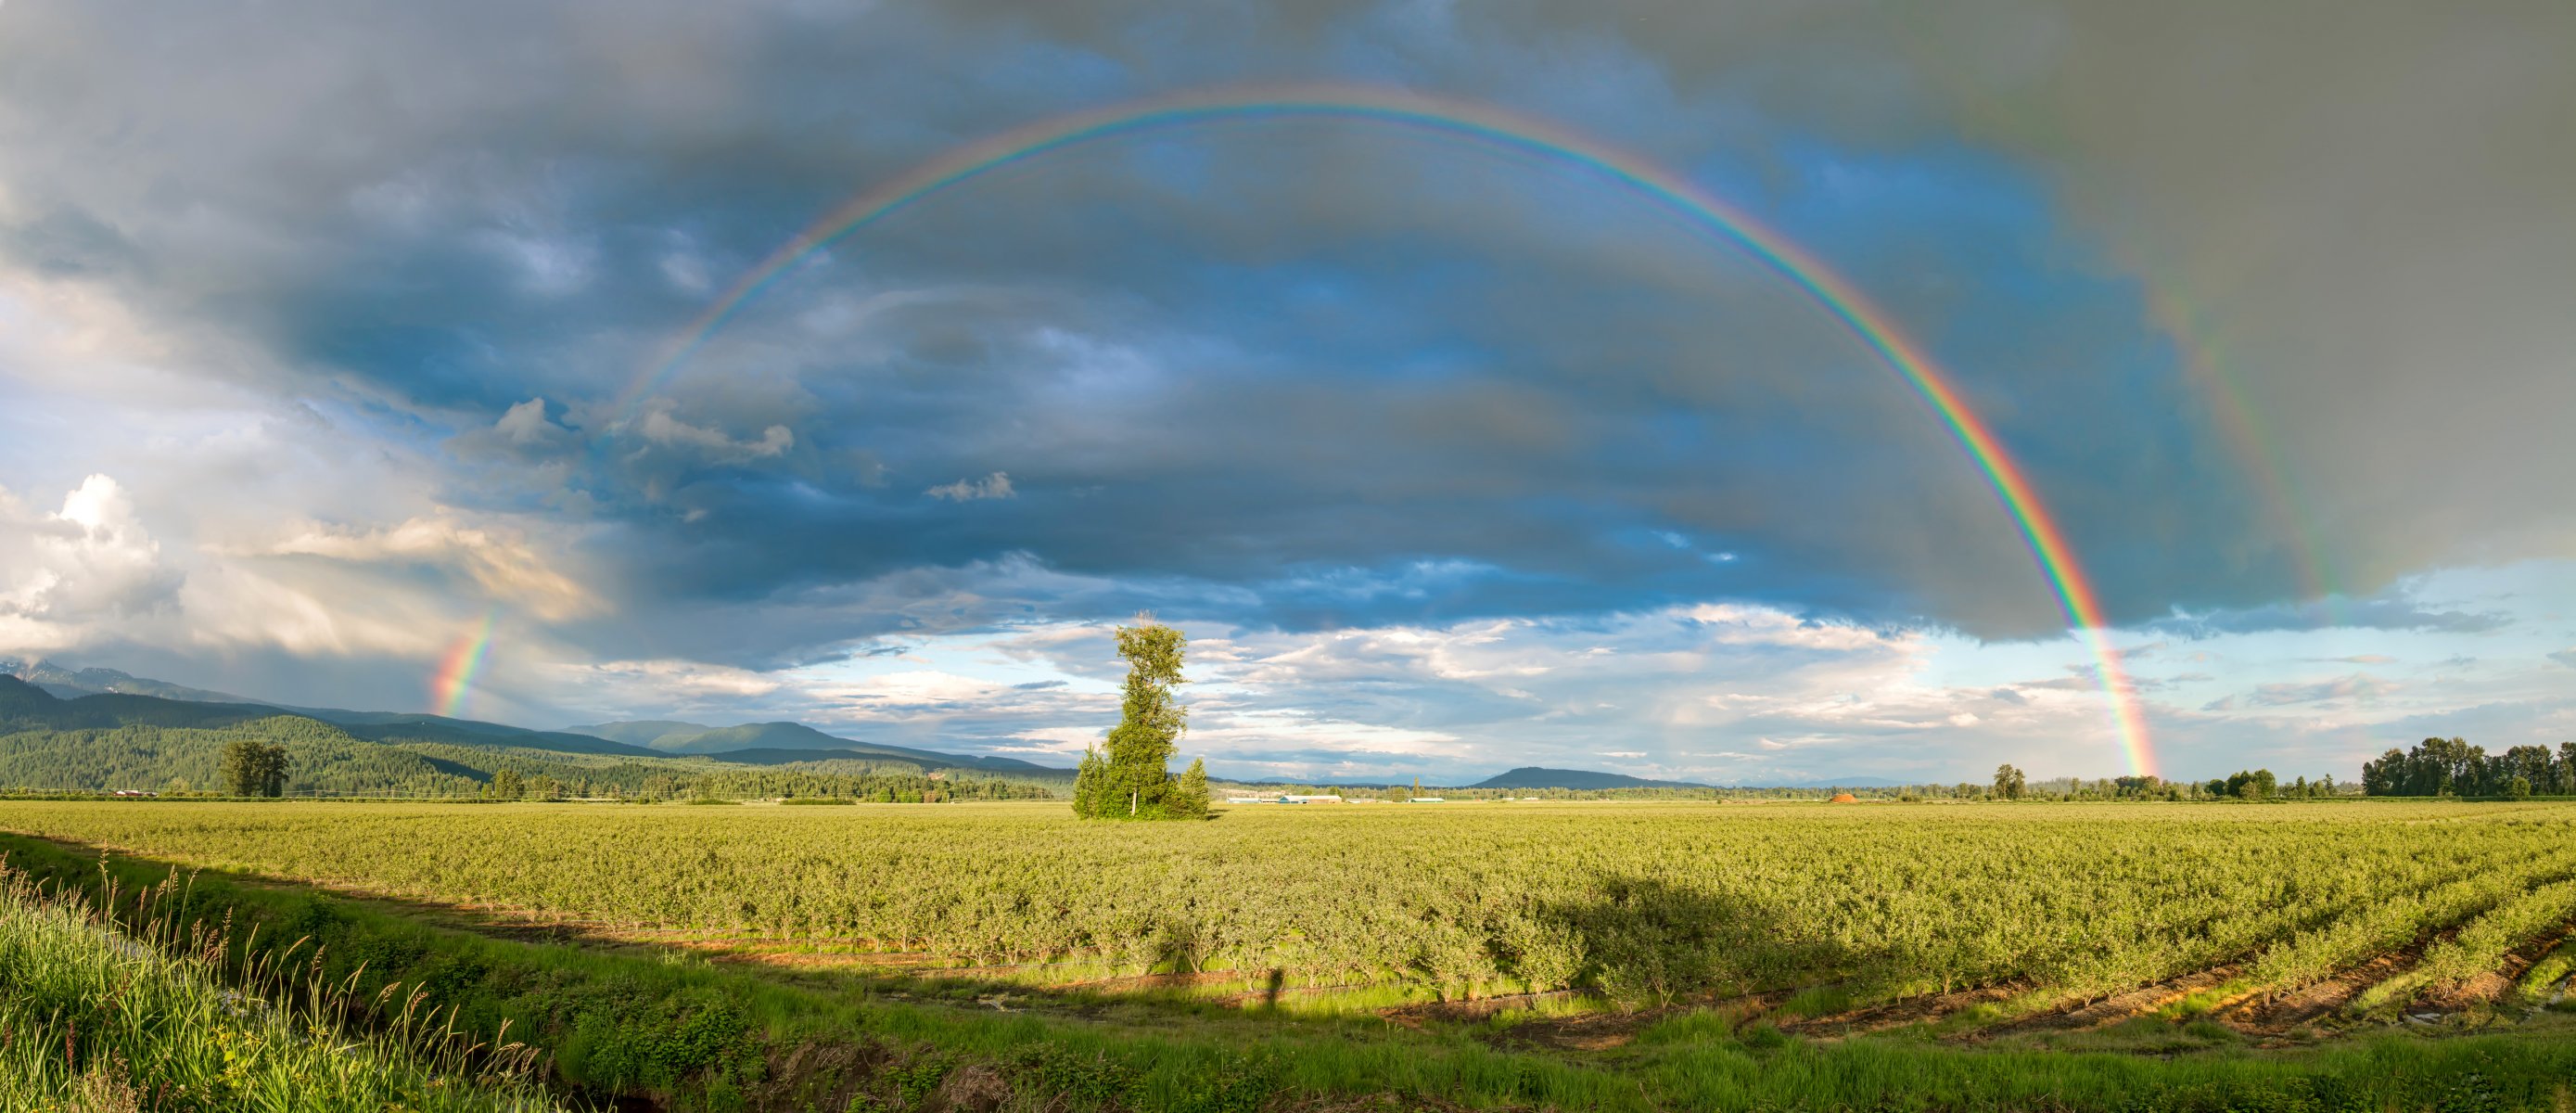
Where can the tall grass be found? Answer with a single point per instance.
(94, 1018)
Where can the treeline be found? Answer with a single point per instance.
(2010, 784)
(2452, 767)
(318, 759)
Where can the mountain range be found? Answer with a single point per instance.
(776, 743)
(106, 698)
(748, 743)
(120, 741)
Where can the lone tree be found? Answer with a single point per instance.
(253, 769)
(1133, 779)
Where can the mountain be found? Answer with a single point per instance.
(385, 726)
(75, 683)
(105, 698)
(118, 741)
(757, 736)
(1531, 776)
(893, 755)
(24, 705)
(175, 705)
(779, 743)
(641, 732)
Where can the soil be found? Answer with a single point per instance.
(1904, 1013)
(2117, 1007)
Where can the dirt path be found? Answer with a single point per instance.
(1905, 1013)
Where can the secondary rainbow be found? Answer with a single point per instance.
(1498, 129)
(2201, 342)
(455, 678)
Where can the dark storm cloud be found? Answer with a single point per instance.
(2354, 214)
(1298, 374)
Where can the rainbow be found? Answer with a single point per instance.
(455, 677)
(2203, 349)
(1496, 129)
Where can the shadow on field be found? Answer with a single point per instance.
(1647, 941)
(1652, 948)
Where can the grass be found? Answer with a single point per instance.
(98, 1021)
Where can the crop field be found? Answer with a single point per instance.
(1532, 956)
(2036, 908)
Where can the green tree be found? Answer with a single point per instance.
(241, 767)
(1091, 787)
(505, 785)
(544, 787)
(1133, 778)
(1189, 799)
(2009, 782)
(251, 768)
(2519, 788)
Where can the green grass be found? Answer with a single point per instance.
(94, 1020)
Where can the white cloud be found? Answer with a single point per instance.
(62, 571)
(661, 428)
(662, 682)
(525, 423)
(498, 562)
(994, 486)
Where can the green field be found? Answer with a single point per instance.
(1580, 950)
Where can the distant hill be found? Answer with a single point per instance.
(24, 705)
(1532, 776)
(388, 727)
(102, 698)
(107, 698)
(66, 683)
(781, 743)
(117, 741)
(641, 732)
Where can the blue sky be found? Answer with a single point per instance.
(312, 349)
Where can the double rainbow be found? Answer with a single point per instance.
(1494, 128)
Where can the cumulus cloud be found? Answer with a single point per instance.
(659, 427)
(994, 486)
(62, 570)
(526, 423)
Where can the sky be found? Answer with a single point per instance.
(330, 333)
